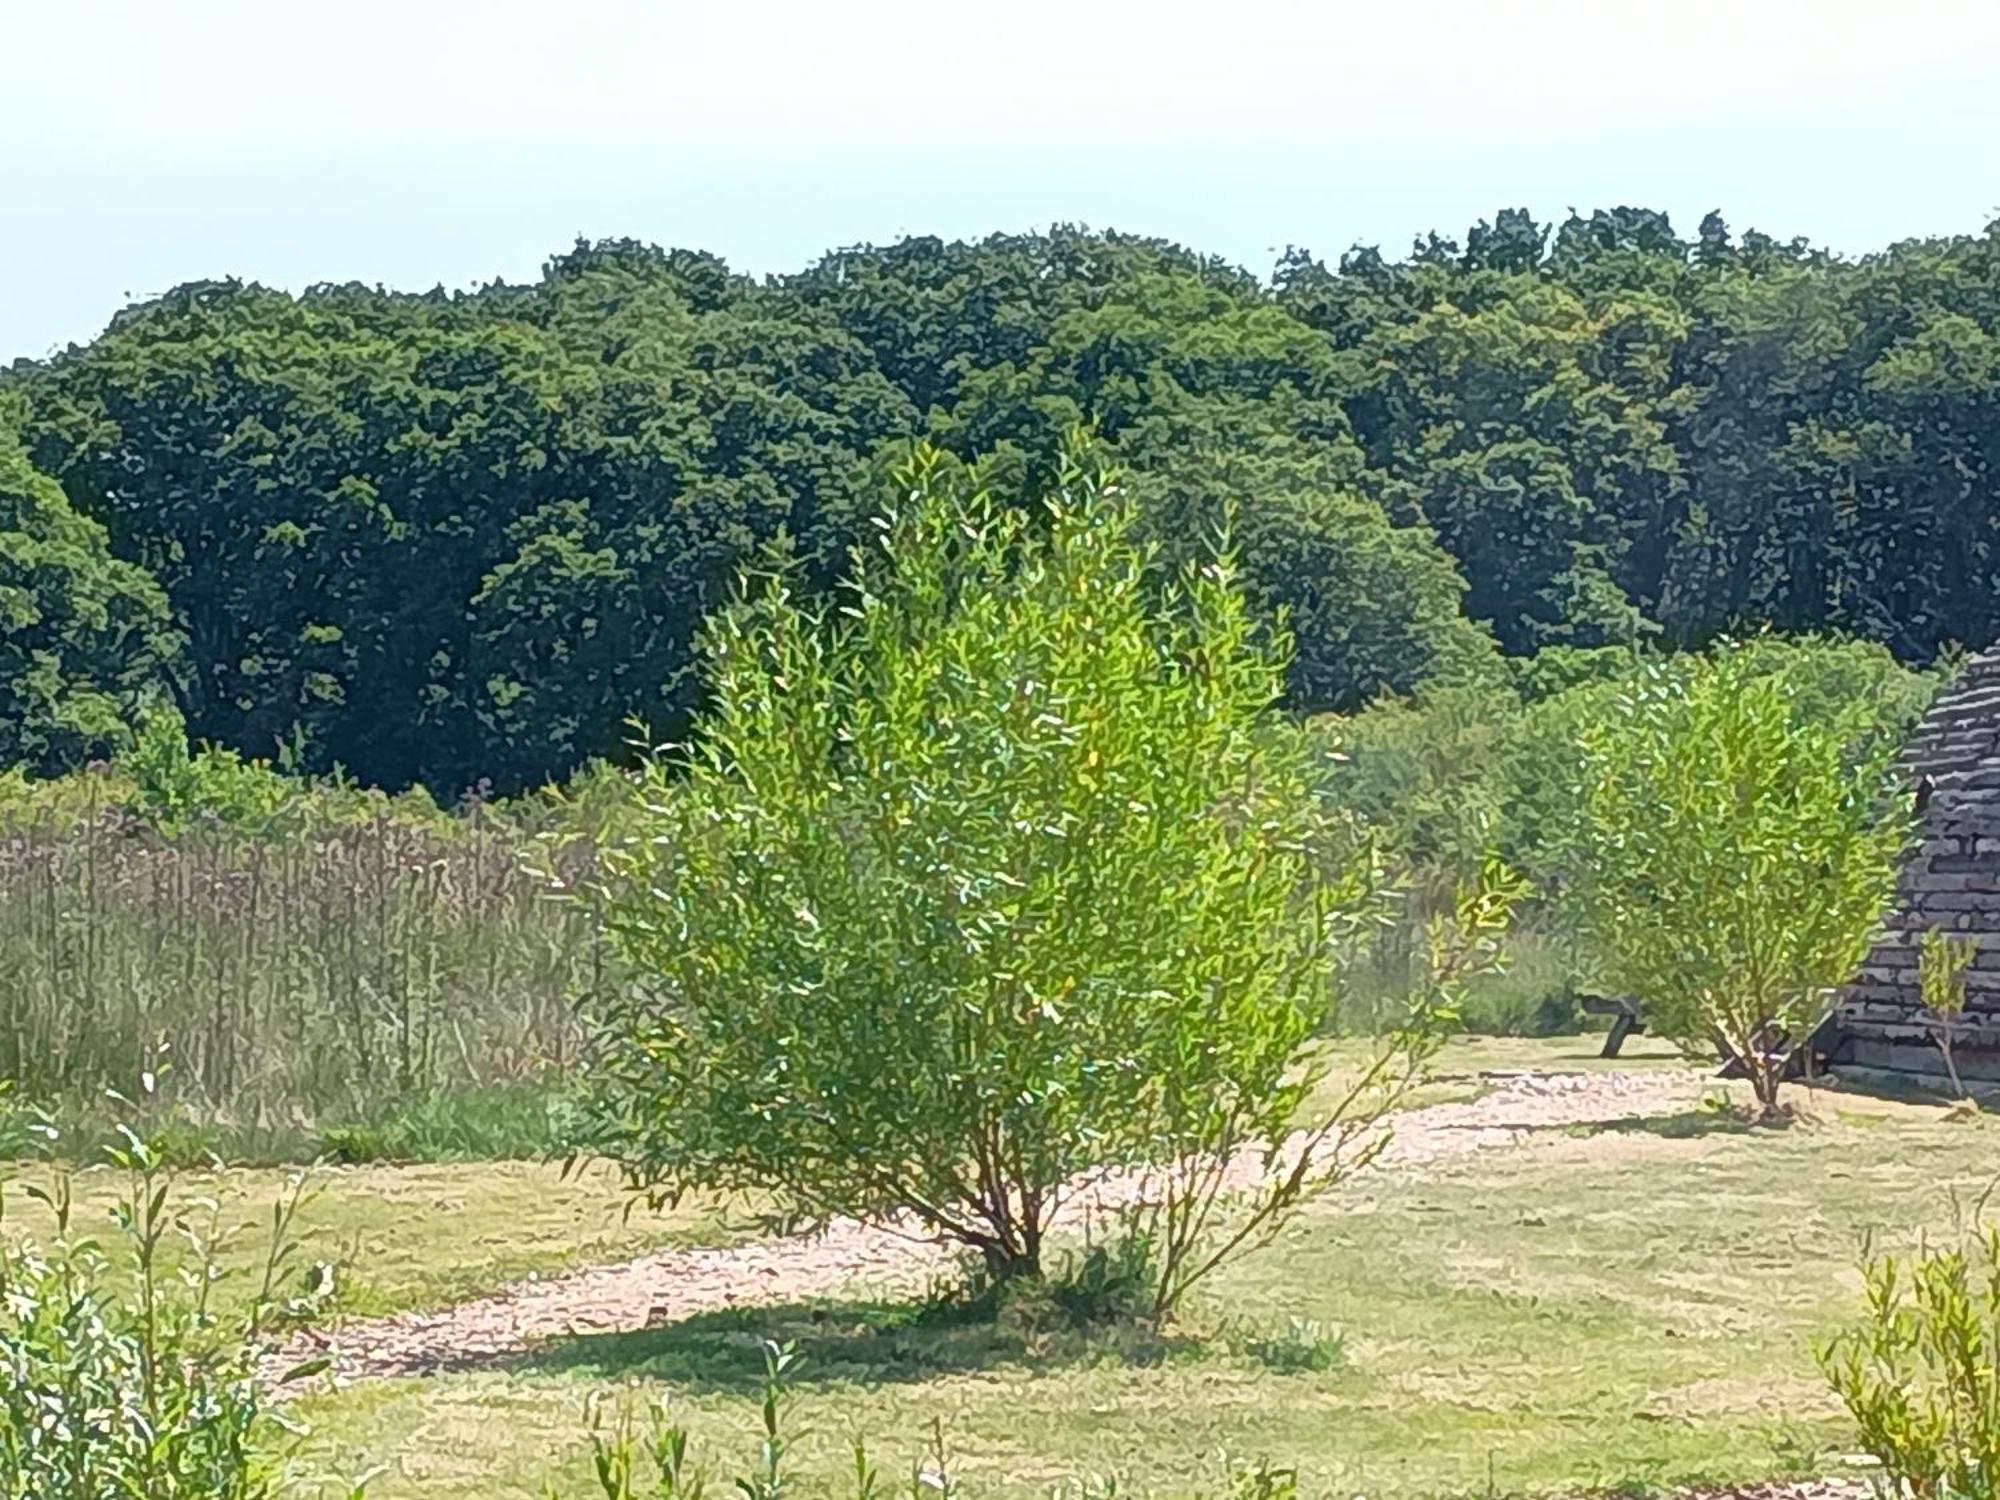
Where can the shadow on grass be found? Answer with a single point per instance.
(839, 1343)
(1692, 1124)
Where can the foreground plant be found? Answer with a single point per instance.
(1942, 959)
(1738, 857)
(116, 1376)
(998, 872)
(1920, 1375)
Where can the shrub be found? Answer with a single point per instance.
(1002, 872)
(1921, 1374)
(1421, 772)
(115, 1377)
(517, 1121)
(1942, 959)
(1108, 1281)
(1740, 853)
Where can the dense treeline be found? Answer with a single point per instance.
(438, 538)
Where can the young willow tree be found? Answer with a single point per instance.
(1738, 854)
(995, 873)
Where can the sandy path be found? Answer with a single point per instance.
(849, 1257)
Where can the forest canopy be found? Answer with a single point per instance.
(451, 537)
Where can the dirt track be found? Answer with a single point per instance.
(848, 1256)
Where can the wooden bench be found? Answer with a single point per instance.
(1827, 1046)
(1625, 1021)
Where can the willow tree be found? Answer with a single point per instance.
(1741, 847)
(991, 872)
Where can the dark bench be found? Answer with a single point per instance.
(1827, 1046)
(1624, 1013)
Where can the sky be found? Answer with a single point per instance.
(144, 143)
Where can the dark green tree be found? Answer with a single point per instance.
(85, 640)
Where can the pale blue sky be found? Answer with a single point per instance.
(413, 143)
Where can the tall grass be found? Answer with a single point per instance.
(319, 963)
(1533, 992)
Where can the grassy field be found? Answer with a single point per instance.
(407, 1237)
(429, 1234)
(1618, 1307)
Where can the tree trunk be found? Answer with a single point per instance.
(1950, 1063)
(1767, 1075)
(1011, 1262)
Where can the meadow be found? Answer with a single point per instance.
(1625, 1305)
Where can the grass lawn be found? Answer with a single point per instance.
(406, 1237)
(418, 1236)
(1608, 1308)
(1466, 1067)
(1471, 1056)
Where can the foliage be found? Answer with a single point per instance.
(278, 956)
(522, 1120)
(85, 638)
(119, 1378)
(1421, 772)
(1740, 856)
(1921, 1375)
(442, 540)
(1461, 767)
(1942, 959)
(1002, 874)
(1372, 607)
(435, 538)
(174, 786)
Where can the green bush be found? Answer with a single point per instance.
(1532, 993)
(1107, 1282)
(1742, 843)
(1002, 872)
(1942, 959)
(116, 1378)
(1530, 988)
(494, 1122)
(1920, 1375)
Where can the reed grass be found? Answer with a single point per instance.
(332, 961)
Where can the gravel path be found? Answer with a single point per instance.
(850, 1257)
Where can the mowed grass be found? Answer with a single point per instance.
(397, 1237)
(1470, 1057)
(427, 1235)
(1466, 1067)
(1613, 1308)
